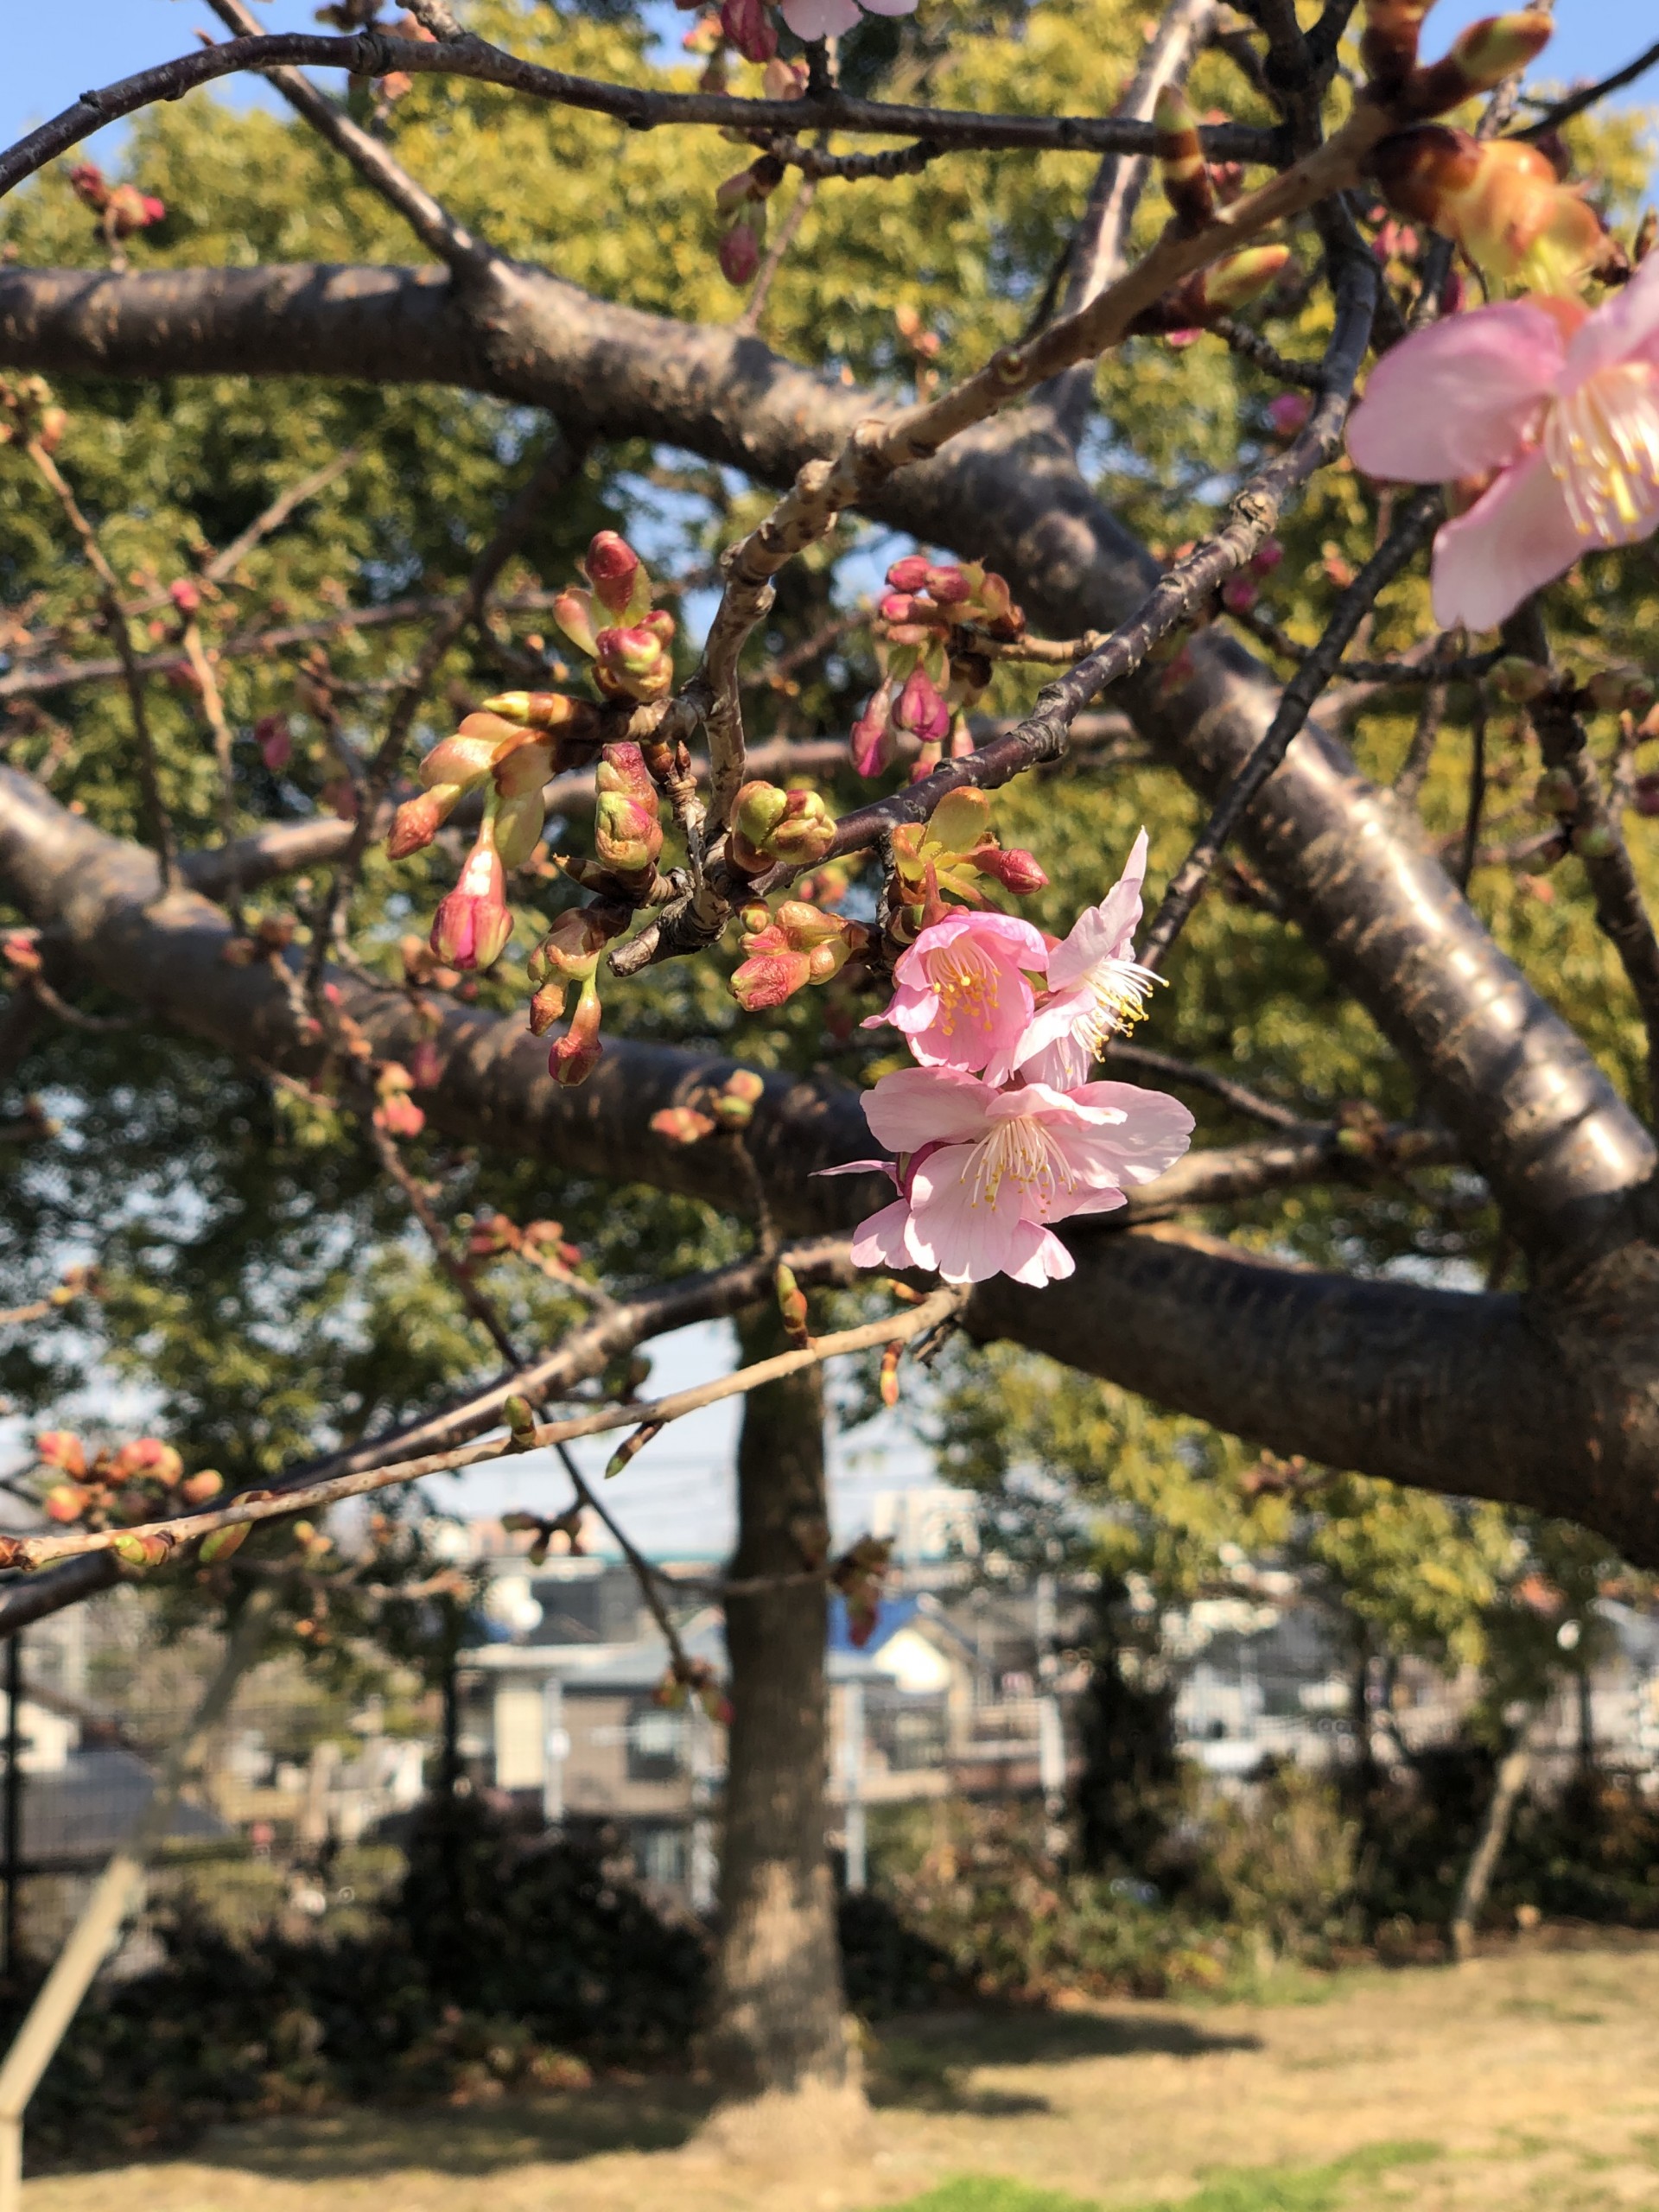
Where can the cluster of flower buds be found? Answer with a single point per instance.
(789, 948)
(943, 856)
(275, 739)
(1477, 59)
(395, 1111)
(507, 748)
(29, 414)
(1506, 205)
(629, 651)
(569, 954)
(740, 209)
(627, 821)
(539, 1241)
(731, 1108)
(772, 827)
(928, 624)
(564, 1529)
(139, 1481)
(858, 1574)
(694, 1678)
(121, 208)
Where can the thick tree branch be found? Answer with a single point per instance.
(1504, 1071)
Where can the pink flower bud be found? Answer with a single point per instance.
(784, 80)
(1644, 796)
(577, 1053)
(612, 565)
(426, 1065)
(149, 1459)
(1267, 557)
(898, 606)
(472, 925)
(948, 586)
(272, 734)
(633, 663)
(1289, 413)
(922, 710)
(909, 575)
(682, 1125)
(86, 182)
(768, 978)
(61, 1448)
(185, 595)
(1239, 594)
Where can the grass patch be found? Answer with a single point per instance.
(1260, 2188)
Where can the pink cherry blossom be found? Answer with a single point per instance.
(815, 19)
(1096, 987)
(963, 999)
(983, 1172)
(1554, 412)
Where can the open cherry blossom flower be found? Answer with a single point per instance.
(1096, 987)
(1551, 412)
(963, 1000)
(815, 19)
(983, 1172)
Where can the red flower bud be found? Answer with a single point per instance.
(611, 566)
(272, 734)
(749, 26)
(740, 251)
(1016, 870)
(874, 744)
(417, 822)
(578, 1052)
(909, 575)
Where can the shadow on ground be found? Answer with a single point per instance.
(928, 2065)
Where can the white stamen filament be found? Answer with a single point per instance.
(1023, 1151)
(1601, 443)
(1123, 991)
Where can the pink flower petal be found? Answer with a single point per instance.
(915, 1107)
(884, 1240)
(970, 1228)
(1626, 329)
(1516, 537)
(1036, 1256)
(1105, 932)
(1456, 399)
(890, 7)
(815, 19)
(1155, 1132)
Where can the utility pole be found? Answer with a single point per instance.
(852, 1783)
(1051, 1732)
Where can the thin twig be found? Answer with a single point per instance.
(789, 231)
(1420, 754)
(1465, 866)
(1421, 514)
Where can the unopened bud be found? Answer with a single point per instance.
(1595, 841)
(417, 820)
(614, 568)
(197, 1488)
(1388, 45)
(890, 1358)
(141, 1553)
(1479, 58)
(682, 1125)
(792, 1305)
(1518, 680)
(520, 1418)
(961, 820)
(1610, 690)
(472, 925)
(627, 825)
(1181, 160)
(921, 709)
(632, 1447)
(1016, 870)
(1241, 278)
(219, 1543)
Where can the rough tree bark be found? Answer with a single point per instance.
(777, 2023)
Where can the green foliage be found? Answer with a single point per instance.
(1255, 2188)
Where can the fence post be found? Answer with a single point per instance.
(117, 1891)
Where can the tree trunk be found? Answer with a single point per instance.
(777, 2023)
(1477, 1876)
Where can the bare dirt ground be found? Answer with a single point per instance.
(1528, 2081)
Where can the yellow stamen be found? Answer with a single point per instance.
(1123, 992)
(968, 984)
(1023, 1151)
(1601, 443)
